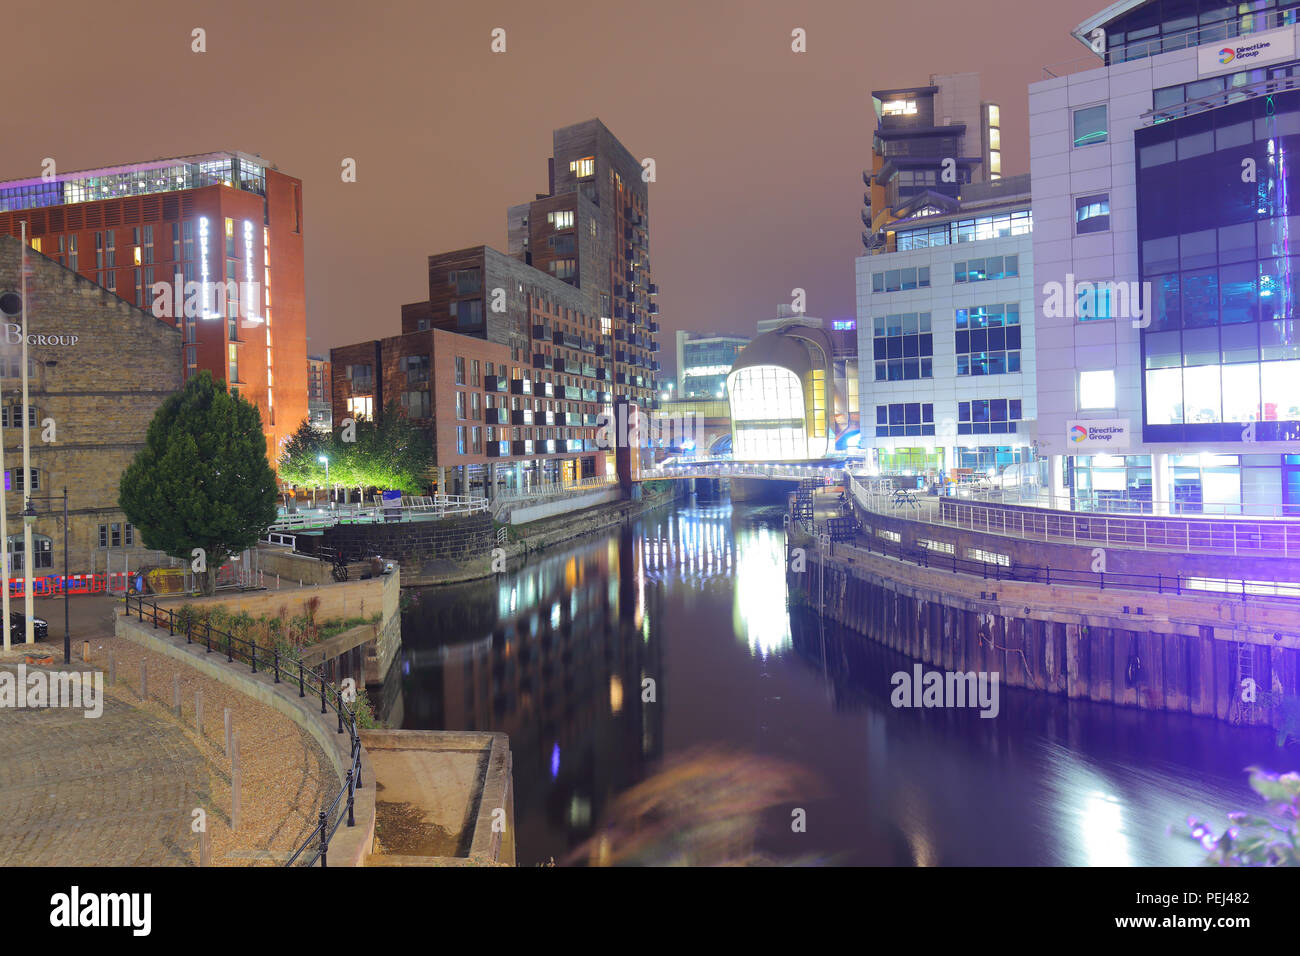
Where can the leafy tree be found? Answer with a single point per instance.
(1253, 839)
(391, 452)
(300, 460)
(202, 479)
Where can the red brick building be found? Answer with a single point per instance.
(211, 219)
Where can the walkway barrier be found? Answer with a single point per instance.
(53, 585)
(237, 650)
(1003, 568)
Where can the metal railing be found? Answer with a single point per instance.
(1035, 496)
(1236, 26)
(292, 670)
(1269, 538)
(782, 471)
(1236, 94)
(435, 506)
(554, 490)
(1176, 584)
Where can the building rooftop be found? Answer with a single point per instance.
(137, 179)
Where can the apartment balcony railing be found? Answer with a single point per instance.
(521, 386)
(1235, 95)
(495, 383)
(543, 361)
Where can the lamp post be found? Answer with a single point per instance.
(326, 462)
(29, 518)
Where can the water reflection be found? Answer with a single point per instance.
(673, 633)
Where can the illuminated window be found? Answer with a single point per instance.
(563, 219)
(1090, 125)
(233, 357)
(902, 347)
(995, 115)
(988, 416)
(904, 418)
(899, 108)
(36, 243)
(582, 168)
(1097, 389)
(361, 407)
(987, 339)
(1092, 214)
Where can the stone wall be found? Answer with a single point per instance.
(415, 542)
(100, 368)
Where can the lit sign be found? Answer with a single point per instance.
(250, 286)
(14, 336)
(1097, 434)
(203, 265)
(1247, 51)
(844, 325)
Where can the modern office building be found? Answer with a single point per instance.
(319, 393)
(782, 396)
(591, 230)
(229, 222)
(704, 361)
(930, 141)
(946, 333)
(94, 372)
(1164, 196)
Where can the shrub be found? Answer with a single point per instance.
(1254, 839)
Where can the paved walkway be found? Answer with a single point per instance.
(121, 789)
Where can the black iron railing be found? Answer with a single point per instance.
(285, 671)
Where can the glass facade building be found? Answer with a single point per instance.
(1221, 356)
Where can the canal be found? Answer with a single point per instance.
(688, 606)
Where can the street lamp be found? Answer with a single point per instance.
(29, 518)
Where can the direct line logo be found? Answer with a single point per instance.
(1227, 55)
(1078, 433)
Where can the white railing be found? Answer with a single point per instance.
(554, 490)
(435, 506)
(1139, 533)
(780, 471)
(1035, 496)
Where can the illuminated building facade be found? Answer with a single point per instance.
(1164, 199)
(946, 330)
(319, 394)
(781, 396)
(704, 361)
(227, 222)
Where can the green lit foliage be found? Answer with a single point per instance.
(1253, 839)
(389, 453)
(202, 479)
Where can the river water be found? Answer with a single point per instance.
(688, 606)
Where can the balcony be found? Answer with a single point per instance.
(620, 335)
(620, 312)
(570, 392)
(562, 365)
(602, 350)
(652, 288)
(621, 357)
(588, 345)
(628, 233)
(521, 416)
(589, 395)
(546, 447)
(631, 275)
(652, 327)
(521, 447)
(866, 217)
(543, 361)
(541, 332)
(589, 371)
(866, 178)
(544, 418)
(654, 308)
(654, 366)
(653, 346)
(544, 389)
(496, 416)
(605, 397)
(498, 449)
(565, 419)
(521, 386)
(495, 383)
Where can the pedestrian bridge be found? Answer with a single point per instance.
(726, 468)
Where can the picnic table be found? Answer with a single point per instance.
(905, 496)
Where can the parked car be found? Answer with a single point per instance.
(18, 628)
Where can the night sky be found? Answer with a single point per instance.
(759, 150)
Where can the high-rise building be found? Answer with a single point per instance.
(1164, 196)
(227, 224)
(592, 230)
(930, 141)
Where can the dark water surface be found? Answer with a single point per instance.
(695, 599)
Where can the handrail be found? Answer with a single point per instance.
(316, 844)
(553, 490)
(1179, 583)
